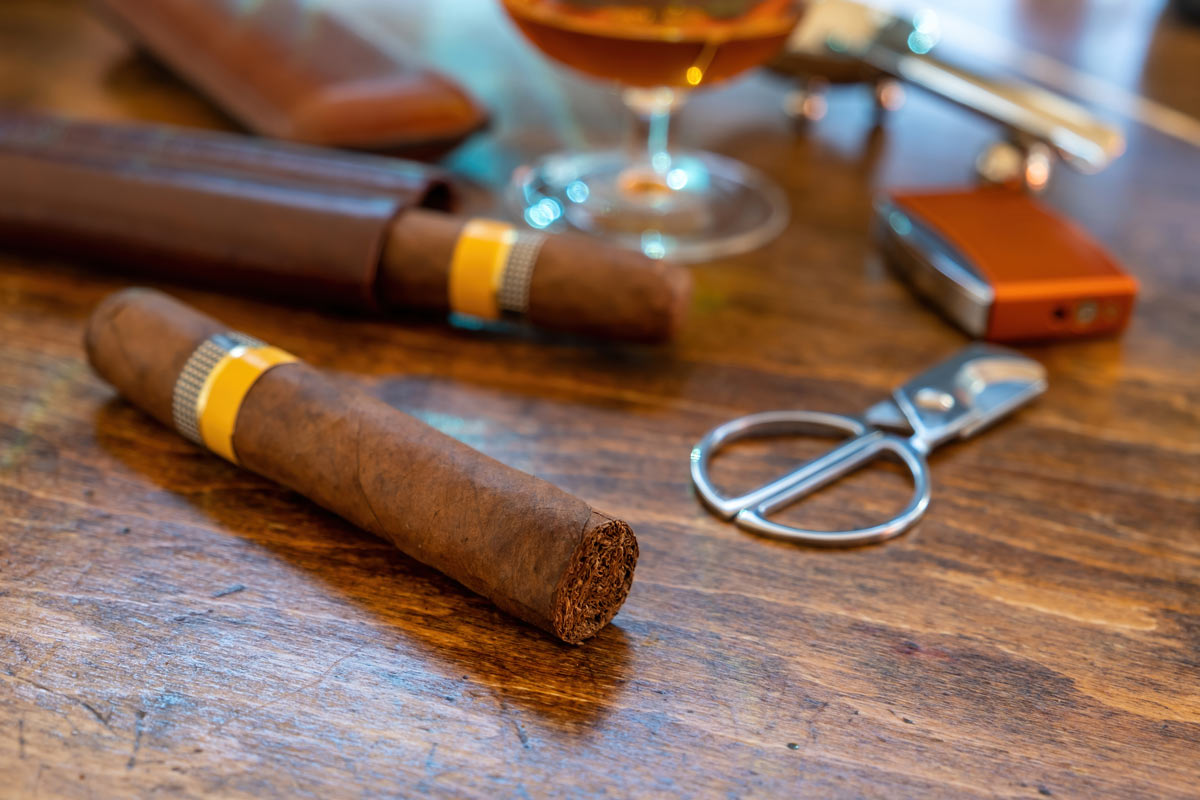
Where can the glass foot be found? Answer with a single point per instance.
(688, 206)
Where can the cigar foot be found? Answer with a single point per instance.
(598, 581)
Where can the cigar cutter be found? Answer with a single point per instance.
(952, 400)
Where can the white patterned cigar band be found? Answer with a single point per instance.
(513, 297)
(196, 371)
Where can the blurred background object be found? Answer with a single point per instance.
(1188, 9)
(302, 72)
(1002, 266)
(848, 42)
(666, 202)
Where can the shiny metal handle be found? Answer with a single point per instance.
(1079, 137)
(847, 40)
(839, 462)
(750, 510)
(768, 423)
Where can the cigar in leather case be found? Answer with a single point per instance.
(326, 227)
(535, 551)
(289, 69)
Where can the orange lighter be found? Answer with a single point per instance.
(1003, 266)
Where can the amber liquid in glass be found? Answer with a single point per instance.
(652, 44)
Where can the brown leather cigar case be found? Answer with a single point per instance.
(292, 70)
(155, 147)
(209, 208)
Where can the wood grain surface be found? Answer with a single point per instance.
(173, 627)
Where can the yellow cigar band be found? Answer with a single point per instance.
(221, 394)
(477, 267)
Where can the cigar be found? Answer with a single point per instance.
(535, 551)
(323, 227)
(292, 70)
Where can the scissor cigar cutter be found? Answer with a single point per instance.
(953, 400)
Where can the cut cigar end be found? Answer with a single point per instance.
(597, 583)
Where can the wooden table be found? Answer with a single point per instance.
(171, 626)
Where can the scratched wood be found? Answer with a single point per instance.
(171, 626)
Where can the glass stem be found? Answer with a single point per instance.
(651, 139)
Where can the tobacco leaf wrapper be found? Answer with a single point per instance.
(536, 551)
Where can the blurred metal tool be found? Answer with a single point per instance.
(840, 41)
(953, 400)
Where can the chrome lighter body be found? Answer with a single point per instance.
(934, 268)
